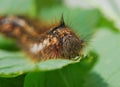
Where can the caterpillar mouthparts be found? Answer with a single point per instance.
(42, 43)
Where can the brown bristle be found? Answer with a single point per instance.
(42, 43)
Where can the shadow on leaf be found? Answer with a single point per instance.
(94, 80)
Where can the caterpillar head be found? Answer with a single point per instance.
(63, 42)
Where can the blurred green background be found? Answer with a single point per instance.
(97, 22)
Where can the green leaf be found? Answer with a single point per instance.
(17, 7)
(15, 63)
(82, 21)
(12, 82)
(107, 44)
(69, 76)
(53, 64)
(41, 4)
(93, 79)
(110, 9)
(107, 24)
(8, 44)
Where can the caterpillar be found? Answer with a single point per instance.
(40, 41)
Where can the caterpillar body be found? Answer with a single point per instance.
(42, 42)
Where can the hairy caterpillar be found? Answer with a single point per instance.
(42, 42)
